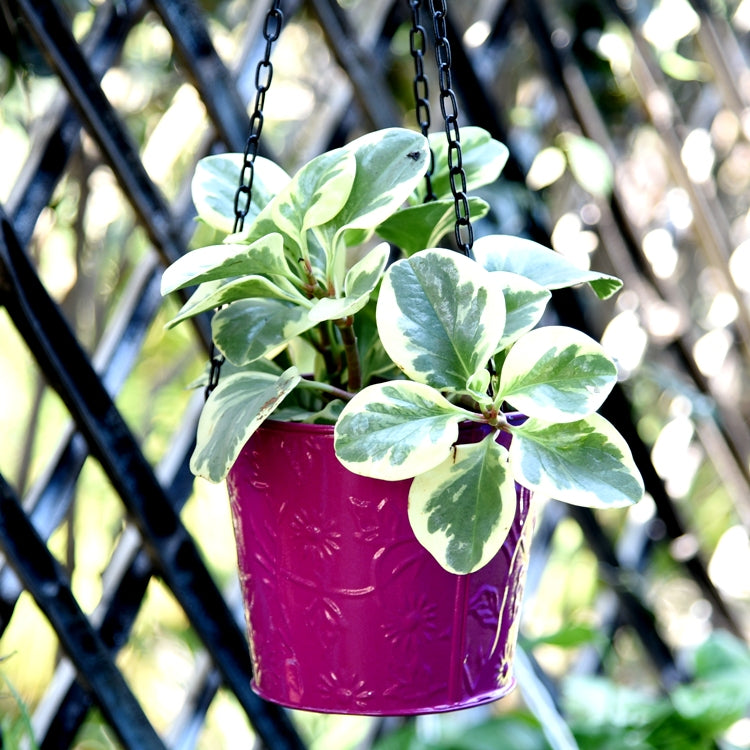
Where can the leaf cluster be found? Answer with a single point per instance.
(398, 355)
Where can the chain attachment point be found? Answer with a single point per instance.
(449, 109)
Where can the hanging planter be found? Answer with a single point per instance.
(381, 526)
(399, 359)
(346, 611)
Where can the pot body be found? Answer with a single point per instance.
(346, 611)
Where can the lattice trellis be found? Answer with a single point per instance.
(538, 75)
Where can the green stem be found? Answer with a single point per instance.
(326, 350)
(310, 286)
(326, 388)
(348, 338)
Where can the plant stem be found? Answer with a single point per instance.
(326, 388)
(346, 326)
(325, 349)
(310, 286)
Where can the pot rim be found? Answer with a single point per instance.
(326, 429)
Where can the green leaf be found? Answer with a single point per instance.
(525, 303)
(233, 411)
(597, 703)
(482, 157)
(499, 252)
(720, 653)
(683, 68)
(548, 167)
(556, 373)
(213, 294)
(296, 413)
(396, 430)
(415, 228)
(462, 510)
(583, 463)
(250, 329)
(570, 635)
(712, 707)
(440, 317)
(215, 184)
(516, 731)
(229, 368)
(265, 256)
(359, 284)
(589, 164)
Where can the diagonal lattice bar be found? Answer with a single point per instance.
(174, 552)
(49, 27)
(45, 581)
(65, 705)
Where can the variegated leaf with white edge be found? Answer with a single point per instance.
(213, 262)
(550, 269)
(440, 317)
(525, 303)
(364, 275)
(214, 186)
(462, 510)
(396, 430)
(556, 373)
(483, 158)
(238, 405)
(335, 308)
(213, 294)
(390, 163)
(315, 194)
(583, 463)
(250, 329)
(360, 282)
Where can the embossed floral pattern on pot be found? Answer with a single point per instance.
(349, 613)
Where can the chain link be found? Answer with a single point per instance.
(417, 47)
(263, 76)
(243, 195)
(449, 110)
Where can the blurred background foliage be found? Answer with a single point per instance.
(629, 127)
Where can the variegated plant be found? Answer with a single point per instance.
(463, 332)
(399, 358)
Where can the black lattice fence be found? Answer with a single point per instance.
(628, 129)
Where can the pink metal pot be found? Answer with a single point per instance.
(346, 611)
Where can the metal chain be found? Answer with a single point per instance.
(263, 76)
(449, 109)
(243, 195)
(417, 47)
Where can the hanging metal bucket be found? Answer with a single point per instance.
(346, 611)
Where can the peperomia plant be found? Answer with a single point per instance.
(474, 355)
(397, 359)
